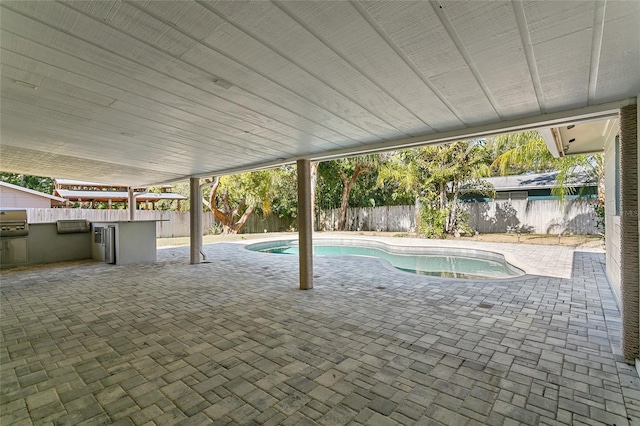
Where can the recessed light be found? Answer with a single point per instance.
(25, 84)
(222, 83)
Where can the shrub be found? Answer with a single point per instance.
(432, 222)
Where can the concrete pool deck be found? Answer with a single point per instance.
(547, 260)
(234, 341)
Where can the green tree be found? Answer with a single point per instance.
(531, 154)
(349, 169)
(37, 183)
(438, 176)
(232, 199)
(540, 157)
(284, 192)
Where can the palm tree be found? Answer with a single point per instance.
(529, 152)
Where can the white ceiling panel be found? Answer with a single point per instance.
(618, 64)
(139, 93)
(344, 27)
(421, 35)
(296, 54)
(490, 36)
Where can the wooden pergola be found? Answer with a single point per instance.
(90, 193)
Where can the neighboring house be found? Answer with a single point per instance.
(524, 203)
(90, 193)
(536, 186)
(14, 196)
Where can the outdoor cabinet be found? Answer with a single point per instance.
(124, 242)
(13, 250)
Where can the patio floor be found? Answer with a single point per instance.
(235, 342)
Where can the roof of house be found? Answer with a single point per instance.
(32, 192)
(539, 181)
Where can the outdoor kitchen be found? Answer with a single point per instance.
(24, 244)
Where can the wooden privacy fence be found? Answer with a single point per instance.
(170, 223)
(530, 216)
(386, 218)
(539, 216)
(534, 216)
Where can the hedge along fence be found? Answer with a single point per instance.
(535, 216)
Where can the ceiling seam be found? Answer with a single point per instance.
(527, 44)
(407, 60)
(144, 97)
(282, 6)
(181, 81)
(596, 48)
(220, 15)
(453, 34)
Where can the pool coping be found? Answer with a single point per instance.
(403, 250)
(510, 251)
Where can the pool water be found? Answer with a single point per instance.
(447, 263)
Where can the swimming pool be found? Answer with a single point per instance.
(440, 262)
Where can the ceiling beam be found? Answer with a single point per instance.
(555, 119)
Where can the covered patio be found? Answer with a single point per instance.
(146, 93)
(235, 342)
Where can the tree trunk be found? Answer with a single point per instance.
(344, 204)
(443, 195)
(227, 214)
(453, 211)
(314, 181)
(416, 214)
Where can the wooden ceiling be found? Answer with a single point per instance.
(146, 92)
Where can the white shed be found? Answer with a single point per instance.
(17, 196)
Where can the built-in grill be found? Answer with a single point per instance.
(13, 223)
(14, 231)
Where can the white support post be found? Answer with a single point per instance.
(195, 223)
(305, 225)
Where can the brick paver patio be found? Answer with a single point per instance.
(235, 342)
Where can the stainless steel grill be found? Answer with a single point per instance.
(13, 223)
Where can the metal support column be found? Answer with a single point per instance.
(305, 224)
(629, 272)
(195, 223)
